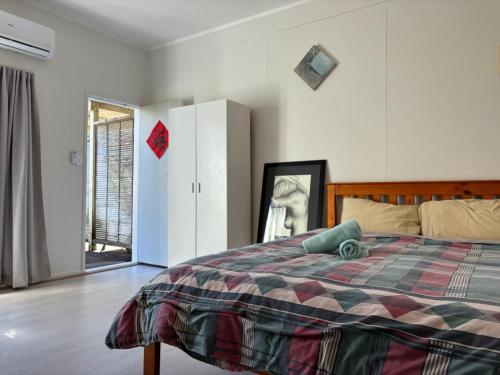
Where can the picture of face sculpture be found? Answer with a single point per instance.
(289, 208)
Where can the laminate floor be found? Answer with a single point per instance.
(58, 328)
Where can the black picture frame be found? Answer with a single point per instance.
(278, 174)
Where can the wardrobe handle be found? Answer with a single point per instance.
(199, 187)
(192, 187)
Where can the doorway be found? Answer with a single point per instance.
(109, 184)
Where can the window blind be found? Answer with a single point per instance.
(114, 156)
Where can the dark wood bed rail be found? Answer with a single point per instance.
(152, 354)
(406, 192)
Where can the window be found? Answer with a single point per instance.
(114, 158)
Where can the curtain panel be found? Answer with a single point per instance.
(23, 246)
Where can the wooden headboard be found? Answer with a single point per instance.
(406, 193)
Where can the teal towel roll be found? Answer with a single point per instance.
(330, 240)
(352, 249)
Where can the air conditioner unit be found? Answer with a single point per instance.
(23, 36)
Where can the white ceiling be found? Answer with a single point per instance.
(152, 23)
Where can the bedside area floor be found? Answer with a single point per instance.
(58, 328)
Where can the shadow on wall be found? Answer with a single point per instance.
(267, 127)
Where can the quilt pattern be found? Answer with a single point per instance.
(414, 306)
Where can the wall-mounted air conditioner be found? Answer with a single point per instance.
(23, 36)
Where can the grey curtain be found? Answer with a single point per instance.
(23, 245)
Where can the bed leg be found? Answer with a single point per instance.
(152, 359)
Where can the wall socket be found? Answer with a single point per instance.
(76, 158)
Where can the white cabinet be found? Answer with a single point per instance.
(180, 194)
(208, 194)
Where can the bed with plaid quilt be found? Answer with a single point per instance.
(413, 306)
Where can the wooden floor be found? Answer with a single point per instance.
(59, 328)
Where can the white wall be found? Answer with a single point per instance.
(85, 62)
(416, 94)
(443, 118)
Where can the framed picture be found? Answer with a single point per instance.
(292, 199)
(315, 66)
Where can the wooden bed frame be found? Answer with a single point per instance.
(406, 193)
(391, 192)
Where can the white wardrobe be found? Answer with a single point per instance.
(208, 179)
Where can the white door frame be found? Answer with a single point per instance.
(135, 107)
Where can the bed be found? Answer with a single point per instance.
(416, 305)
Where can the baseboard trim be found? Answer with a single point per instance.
(71, 274)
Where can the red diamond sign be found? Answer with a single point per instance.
(158, 139)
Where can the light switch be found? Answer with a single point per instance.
(76, 158)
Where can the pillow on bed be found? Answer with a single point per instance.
(473, 219)
(381, 217)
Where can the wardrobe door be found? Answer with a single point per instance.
(181, 182)
(211, 143)
(150, 206)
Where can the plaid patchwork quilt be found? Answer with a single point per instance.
(414, 306)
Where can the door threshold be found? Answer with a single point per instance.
(110, 267)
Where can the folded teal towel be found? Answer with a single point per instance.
(352, 249)
(331, 239)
